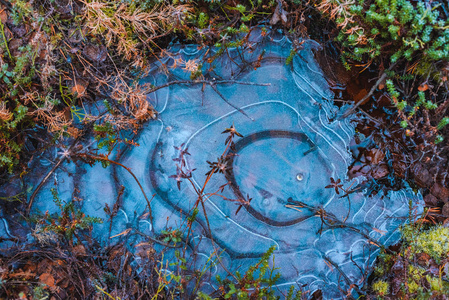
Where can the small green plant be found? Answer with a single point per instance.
(412, 37)
(394, 28)
(172, 236)
(256, 283)
(65, 225)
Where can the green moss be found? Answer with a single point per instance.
(435, 283)
(413, 287)
(381, 287)
(434, 242)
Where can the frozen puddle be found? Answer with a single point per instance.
(290, 150)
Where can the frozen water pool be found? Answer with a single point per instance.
(292, 146)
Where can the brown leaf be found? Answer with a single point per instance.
(399, 168)
(445, 210)
(440, 192)
(423, 259)
(3, 16)
(145, 216)
(279, 15)
(79, 250)
(22, 275)
(96, 53)
(421, 175)
(79, 88)
(376, 155)
(424, 87)
(380, 171)
(44, 266)
(75, 35)
(431, 200)
(20, 30)
(360, 95)
(398, 268)
(434, 269)
(47, 279)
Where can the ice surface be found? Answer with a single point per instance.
(292, 146)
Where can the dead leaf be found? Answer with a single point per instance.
(75, 35)
(20, 30)
(445, 210)
(376, 156)
(424, 87)
(145, 216)
(47, 279)
(79, 88)
(279, 15)
(380, 171)
(423, 259)
(22, 275)
(431, 200)
(79, 250)
(360, 96)
(421, 175)
(440, 192)
(3, 16)
(96, 53)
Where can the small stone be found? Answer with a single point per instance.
(439, 191)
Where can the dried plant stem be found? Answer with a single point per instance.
(61, 159)
(5, 41)
(348, 281)
(106, 159)
(209, 82)
(156, 241)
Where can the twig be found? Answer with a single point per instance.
(106, 159)
(371, 92)
(155, 240)
(348, 281)
(209, 82)
(61, 159)
(226, 100)
(7, 4)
